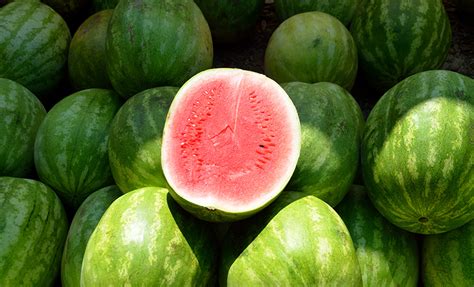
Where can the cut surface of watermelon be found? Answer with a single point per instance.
(230, 144)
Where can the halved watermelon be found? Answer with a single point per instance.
(230, 143)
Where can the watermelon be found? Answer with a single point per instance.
(34, 42)
(312, 47)
(417, 155)
(387, 255)
(399, 38)
(33, 228)
(21, 113)
(221, 154)
(448, 258)
(71, 144)
(299, 240)
(151, 44)
(145, 239)
(343, 10)
(86, 59)
(231, 21)
(68, 9)
(99, 5)
(331, 129)
(135, 139)
(83, 224)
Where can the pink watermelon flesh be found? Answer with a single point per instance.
(231, 141)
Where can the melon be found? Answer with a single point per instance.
(230, 143)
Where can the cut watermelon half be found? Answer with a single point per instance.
(231, 142)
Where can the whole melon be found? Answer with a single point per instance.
(145, 239)
(299, 240)
(83, 224)
(230, 144)
(21, 114)
(312, 47)
(231, 21)
(417, 152)
(99, 5)
(331, 130)
(343, 10)
(398, 38)
(86, 58)
(33, 228)
(71, 144)
(151, 44)
(448, 258)
(387, 255)
(135, 139)
(34, 42)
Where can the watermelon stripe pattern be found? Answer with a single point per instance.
(135, 139)
(71, 144)
(398, 38)
(417, 155)
(21, 114)
(34, 43)
(151, 44)
(33, 228)
(145, 239)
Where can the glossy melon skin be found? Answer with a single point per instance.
(34, 42)
(399, 38)
(230, 144)
(417, 155)
(145, 239)
(21, 114)
(135, 139)
(33, 231)
(298, 240)
(387, 255)
(71, 144)
(331, 130)
(312, 47)
(151, 44)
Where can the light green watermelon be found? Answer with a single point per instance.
(448, 258)
(312, 47)
(135, 139)
(83, 224)
(34, 42)
(387, 255)
(71, 144)
(398, 38)
(151, 44)
(33, 228)
(145, 239)
(331, 129)
(417, 152)
(86, 58)
(299, 240)
(21, 113)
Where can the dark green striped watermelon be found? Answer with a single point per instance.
(418, 155)
(312, 47)
(398, 38)
(387, 255)
(145, 239)
(448, 258)
(71, 144)
(83, 224)
(298, 240)
(135, 139)
(21, 114)
(331, 129)
(86, 59)
(231, 21)
(34, 42)
(152, 44)
(343, 10)
(33, 228)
